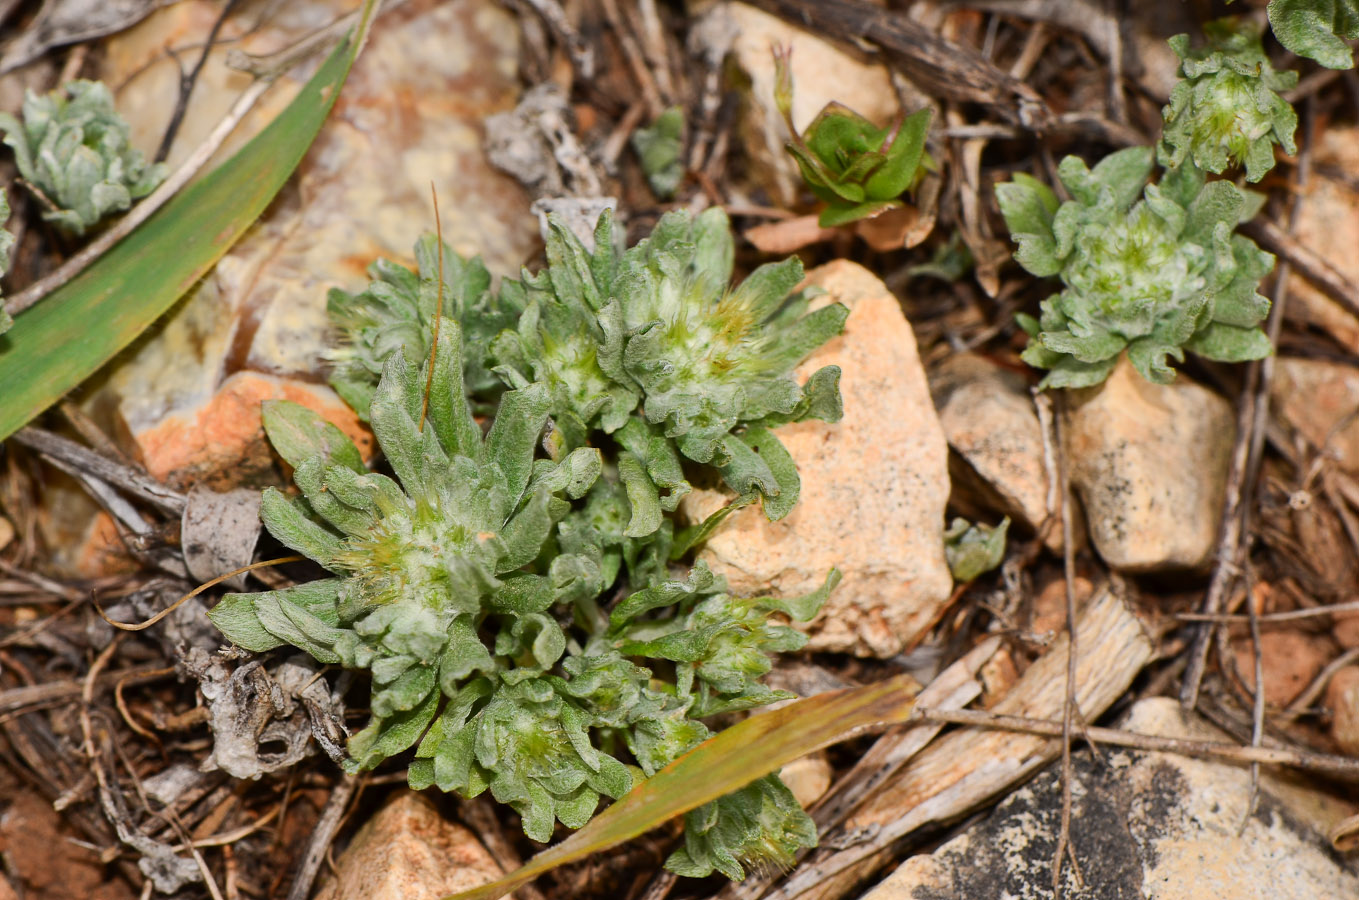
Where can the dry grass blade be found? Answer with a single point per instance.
(720, 765)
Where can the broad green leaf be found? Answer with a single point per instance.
(66, 338)
(722, 764)
(299, 433)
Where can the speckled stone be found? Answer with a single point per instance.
(1145, 826)
(874, 487)
(1149, 463)
(409, 852)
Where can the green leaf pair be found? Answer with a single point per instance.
(856, 168)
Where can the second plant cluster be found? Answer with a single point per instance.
(516, 590)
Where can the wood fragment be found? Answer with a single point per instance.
(964, 769)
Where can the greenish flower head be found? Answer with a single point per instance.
(1153, 270)
(396, 312)
(1224, 111)
(1317, 29)
(855, 167)
(472, 586)
(75, 148)
(653, 346)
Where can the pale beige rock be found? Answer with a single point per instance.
(6, 532)
(808, 777)
(1150, 825)
(1289, 659)
(410, 114)
(822, 72)
(1149, 463)
(1342, 699)
(409, 852)
(874, 486)
(989, 420)
(1315, 396)
(1328, 225)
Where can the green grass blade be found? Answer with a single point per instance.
(82, 325)
(720, 765)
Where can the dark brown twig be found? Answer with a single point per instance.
(187, 82)
(116, 473)
(321, 836)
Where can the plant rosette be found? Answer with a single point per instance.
(1152, 270)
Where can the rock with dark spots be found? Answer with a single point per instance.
(409, 852)
(1145, 826)
(1149, 463)
(874, 486)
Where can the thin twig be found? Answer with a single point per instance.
(141, 626)
(1257, 730)
(1069, 711)
(321, 836)
(132, 480)
(187, 82)
(1266, 618)
(1342, 766)
(1309, 695)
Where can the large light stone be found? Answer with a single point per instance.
(409, 852)
(874, 486)
(1147, 825)
(410, 115)
(1149, 462)
(989, 420)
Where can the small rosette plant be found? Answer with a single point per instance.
(856, 168)
(470, 586)
(396, 312)
(1149, 269)
(653, 347)
(75, 149)
(1225, 110)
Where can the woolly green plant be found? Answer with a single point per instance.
(858, 169)
(75, 149)
(396, 312)
(653, 347)
(659, 148)
(1152, 270)
(471, 585)
(1224, 111)
(1317, 29)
